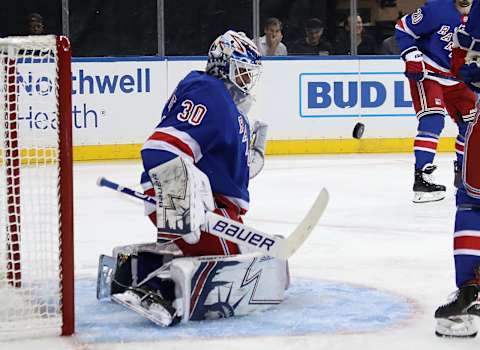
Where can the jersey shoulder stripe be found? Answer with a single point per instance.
(175, 141)
(403, 26)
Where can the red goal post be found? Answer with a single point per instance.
(36, 187)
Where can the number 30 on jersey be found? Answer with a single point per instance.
(192, 113)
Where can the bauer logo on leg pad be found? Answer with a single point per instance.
(252, 238)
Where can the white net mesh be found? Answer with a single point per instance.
(30, 300)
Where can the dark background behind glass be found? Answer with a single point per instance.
(129, 27)
(13, 15)
(191, 26)
(113, 27)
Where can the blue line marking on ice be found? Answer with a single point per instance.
(311, 306)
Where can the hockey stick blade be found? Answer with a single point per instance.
(303, 230)
(241, 234)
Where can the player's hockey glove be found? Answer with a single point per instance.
(470, 74)
(465, 41)
(469, 48)
(414, 65)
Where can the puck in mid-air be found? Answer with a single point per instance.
(358, 130)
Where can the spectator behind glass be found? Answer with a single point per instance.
(365, 43)
(271, 43)
(389, 46)
(312, 43)
(35, 24)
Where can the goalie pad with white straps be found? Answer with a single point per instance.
(193, 288)
(214, 287)
(183, 196)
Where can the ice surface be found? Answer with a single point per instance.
(310, 306)
(376, 260)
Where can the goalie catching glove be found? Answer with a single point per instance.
(183, 196)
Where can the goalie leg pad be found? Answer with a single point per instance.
(130, 264)
(114, 275)
(122, 278)
(129, 281)
(220, 287)
(198, 288)
(148, 262)
(183, 195)
(106, 270)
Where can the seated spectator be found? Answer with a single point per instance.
(271, 43)
(389, 46)
(365, 43)
(312, 43)
(35, 24)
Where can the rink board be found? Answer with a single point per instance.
(310, 104)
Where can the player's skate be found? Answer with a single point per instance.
(455, 319)
(424, 190)
(149, 305)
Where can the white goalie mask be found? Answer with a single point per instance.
(233, 56)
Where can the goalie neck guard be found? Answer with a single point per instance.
(234, 57)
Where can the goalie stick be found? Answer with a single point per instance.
(274, 246)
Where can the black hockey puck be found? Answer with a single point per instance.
(358, 131)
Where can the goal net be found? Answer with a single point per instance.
(36, 200)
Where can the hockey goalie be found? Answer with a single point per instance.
(199, 158)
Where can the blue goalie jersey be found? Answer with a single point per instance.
(430, 28)
(201, 122)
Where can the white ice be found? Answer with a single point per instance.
(371, 235)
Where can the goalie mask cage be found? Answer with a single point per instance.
(36, 188)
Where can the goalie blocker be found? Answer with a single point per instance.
(155, 281)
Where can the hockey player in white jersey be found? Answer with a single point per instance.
(199, 158)
(457, 317)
